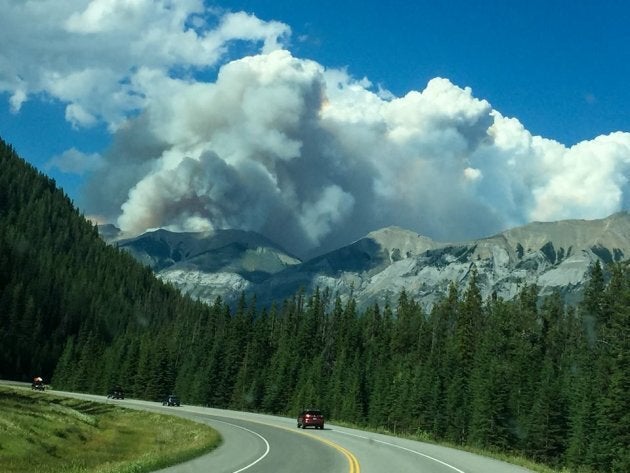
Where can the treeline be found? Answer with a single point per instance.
(546, 382)
(543, 380)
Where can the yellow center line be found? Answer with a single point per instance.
(352, 460)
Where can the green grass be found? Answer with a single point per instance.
(45, 433)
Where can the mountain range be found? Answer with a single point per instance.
(555, 256)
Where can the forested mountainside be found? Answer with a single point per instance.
(60, 284)
(542, 380)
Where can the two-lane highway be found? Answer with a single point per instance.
(258, 443)
(254, 447)
(253, 444)
(377, 453)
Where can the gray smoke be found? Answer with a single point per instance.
(313, 159)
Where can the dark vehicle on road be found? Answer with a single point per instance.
(310, 418)
(116, 393)
(172, 400)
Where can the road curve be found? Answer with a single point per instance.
(258, 443)
(377, 453)
(249, 446)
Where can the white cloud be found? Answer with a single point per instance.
(87, 53)
(243, 26)
(75, 162)
(108, 15)
(587, 180)
(17, 99)
(472, 174)
(307, 155)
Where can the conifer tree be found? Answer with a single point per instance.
(461, 355)
(491, 382)
(612, 380)
(442, 321)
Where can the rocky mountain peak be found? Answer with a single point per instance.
(399, 243)
(570, 235)
(555, 256)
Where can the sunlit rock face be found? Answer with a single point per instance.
(555, 256)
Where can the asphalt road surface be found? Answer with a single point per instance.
(257, 443)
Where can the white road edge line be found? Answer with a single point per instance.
(268, 448)
(402, 448)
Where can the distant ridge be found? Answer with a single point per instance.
(555, 256)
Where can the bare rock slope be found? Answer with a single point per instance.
(555, 256)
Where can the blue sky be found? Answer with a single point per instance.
(454, 119)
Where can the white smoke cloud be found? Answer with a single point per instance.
(307, 155)
(588, 179)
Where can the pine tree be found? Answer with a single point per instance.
(442, 321)
(461, 358)
(611, 437)
(491, 382)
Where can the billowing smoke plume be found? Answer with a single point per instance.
(311, 157)
(306, 155)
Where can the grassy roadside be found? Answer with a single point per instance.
(45, 433)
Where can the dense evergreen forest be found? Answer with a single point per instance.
(546, 381)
